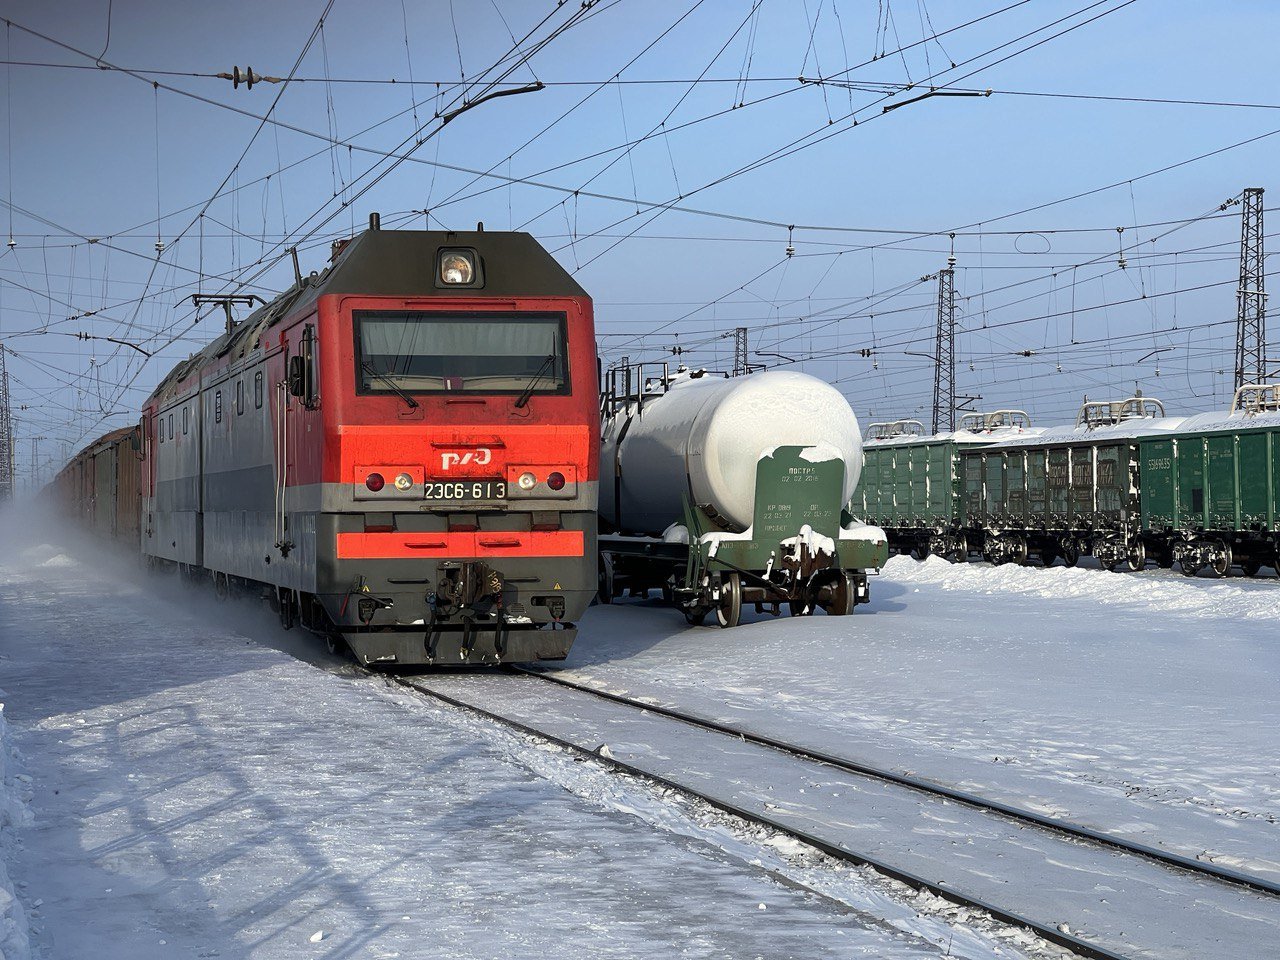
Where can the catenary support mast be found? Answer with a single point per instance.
(6, 435)
(944, 370)
(1251, 296)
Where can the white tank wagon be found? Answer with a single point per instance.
(729, 490)
(699, 436)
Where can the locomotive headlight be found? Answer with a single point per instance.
(404, 482)
(526, 480)
(457, 267)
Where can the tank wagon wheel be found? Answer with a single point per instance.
(1136, 557)
(694, 616)
(729, 609)
(1251, 567)
(801, 603)
(1221, 562)
(604, 584)
(843, 597)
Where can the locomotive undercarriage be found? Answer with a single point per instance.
(508, 609)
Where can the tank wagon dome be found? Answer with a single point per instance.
(704, 436)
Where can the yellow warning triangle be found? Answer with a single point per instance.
(556, 587)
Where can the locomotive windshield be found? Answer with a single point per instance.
(421, 352)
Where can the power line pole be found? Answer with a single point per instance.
(35, 472)
(1251, 296)
(6, 435)
(740, 366)
(944, 353)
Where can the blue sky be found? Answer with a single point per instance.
(95, 154)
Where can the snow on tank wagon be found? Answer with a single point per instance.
(730, 491)
(401, 451)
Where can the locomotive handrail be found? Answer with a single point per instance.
(1255, 398)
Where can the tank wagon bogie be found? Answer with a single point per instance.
(728, 492)
(400, 452)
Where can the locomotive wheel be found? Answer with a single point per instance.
(1136, 558)
(843, 597)
(1251, 567)
(729, 610)
(1221, 562)
(336, 645)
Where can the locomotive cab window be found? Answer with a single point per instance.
(495, 353)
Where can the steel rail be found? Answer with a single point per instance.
(1048, 932)
(1069, 828)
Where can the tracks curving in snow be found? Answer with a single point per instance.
(1095, 895)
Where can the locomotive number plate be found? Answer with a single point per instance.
(454, 491)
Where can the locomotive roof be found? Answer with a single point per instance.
(399, 263)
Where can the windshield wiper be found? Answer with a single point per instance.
(543, 370)
(399, 392)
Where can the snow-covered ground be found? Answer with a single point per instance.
(13, 816)
(1144, 704)
(197, 791)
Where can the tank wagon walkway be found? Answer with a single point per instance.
(196, 794)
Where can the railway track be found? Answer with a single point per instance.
(1092, 893)
(1065, 827)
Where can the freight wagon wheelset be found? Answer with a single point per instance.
(1190, 553)
(803, 584)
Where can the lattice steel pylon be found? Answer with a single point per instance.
(740, 365)
(6, 435)
(1251, 296)
(944, 354)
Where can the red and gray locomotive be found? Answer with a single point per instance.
(401, 451)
